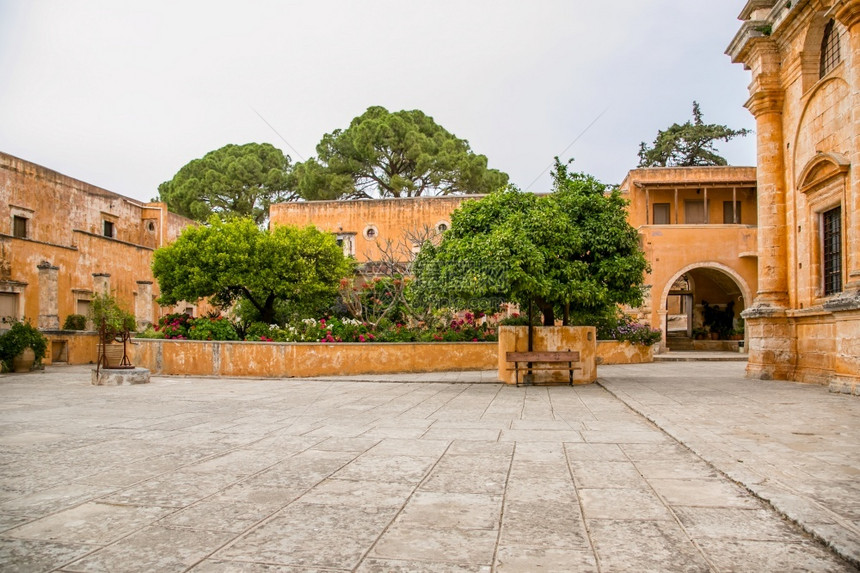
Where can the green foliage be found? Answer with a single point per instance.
(233, 181)
(150, 332)
(400, 154)
(20, 336)
(105, 310)
(573, 249)
(687, 145)
(373, 300)
(75, 322)
(211, 328)
(235, 260)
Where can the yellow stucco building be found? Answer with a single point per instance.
(698, 231)
(372, 229)
(62, 240)
(804, 58)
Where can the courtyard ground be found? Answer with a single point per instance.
(661, 467)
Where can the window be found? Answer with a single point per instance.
(661, 214)
(371, 233)
(8, 307)
(830, 56)
(19, 227)
(346, 241)
(731, 212)
(694, 212)
(108, 229)
(831, 223)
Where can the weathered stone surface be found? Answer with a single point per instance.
(224, 475)
(118, 377)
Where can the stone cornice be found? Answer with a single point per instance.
(751, 32)
(848, 13)
(753, 6)
(765, 101)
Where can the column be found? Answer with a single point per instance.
(848, 15)
(143, 304)
(49, 317)
(101, 283)
(766, 106)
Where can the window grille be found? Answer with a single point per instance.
(830, 56)
(831, 222)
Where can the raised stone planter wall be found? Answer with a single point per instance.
(284, 360)
(615, 352)
(550, 338)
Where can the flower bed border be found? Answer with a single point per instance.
(308, 359)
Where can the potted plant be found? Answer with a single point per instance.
(700, 333)
(22, 347)
(113, 325)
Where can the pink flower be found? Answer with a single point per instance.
(360, 338)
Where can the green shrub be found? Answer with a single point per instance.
(75, 322)
(20, 336)
(206, 328)
(150, 333)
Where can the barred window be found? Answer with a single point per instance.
(830, 56)
(831, 222)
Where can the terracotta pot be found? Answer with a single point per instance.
(715, 336)
(24, 361)
(113, 354)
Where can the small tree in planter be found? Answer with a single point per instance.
(114, 325)
(22, 346)
(572, 250)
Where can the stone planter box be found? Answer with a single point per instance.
(615, 352)
(550, 338)
(308, 359)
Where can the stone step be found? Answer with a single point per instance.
(700, 356)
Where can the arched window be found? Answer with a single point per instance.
(830, 57)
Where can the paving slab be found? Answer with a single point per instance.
(665, 467)
(793, 445)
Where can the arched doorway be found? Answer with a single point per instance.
(703, 301)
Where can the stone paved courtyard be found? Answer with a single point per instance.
(225, 475)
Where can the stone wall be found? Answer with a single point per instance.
(66, 256)
(807, 119)
(284, 360)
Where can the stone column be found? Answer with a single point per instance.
(49, 317)
(143, 304)
(848, 15)
(772, 238)
(101, 283)
(772, 344)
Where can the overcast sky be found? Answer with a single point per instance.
(122, 94)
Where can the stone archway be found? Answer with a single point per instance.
(707, 285)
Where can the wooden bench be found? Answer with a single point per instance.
(557, 360)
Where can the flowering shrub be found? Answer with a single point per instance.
(174, 325)
(217, 328)
(332, 330)
(625, 330)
